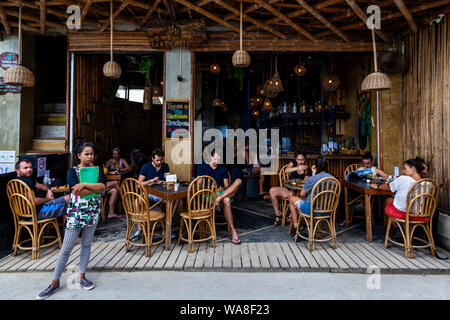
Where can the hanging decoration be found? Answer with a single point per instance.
(255, 113)
(145, 67)
(19, 75)
(241, 58)
(331, 81)
(214, 68)
(376, 80)
(300, 69)
(157, 92)
(267, 105)
(216, 102)
(112, 69)
(273, 86)
(259, 90)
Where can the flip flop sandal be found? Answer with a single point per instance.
(235, 241)
(277, 222)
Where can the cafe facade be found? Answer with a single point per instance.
(319, 51)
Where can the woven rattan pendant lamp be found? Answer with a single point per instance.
(19, 75)
(112, 69)
(376, 80)
(241, 58)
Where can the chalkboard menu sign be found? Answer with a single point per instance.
(7, 60)
(177, 119)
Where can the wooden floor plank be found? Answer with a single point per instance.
(162, 259)
(181, 260)
(226, 264)
(424, 261)
(113, 251)
(254, 257)
(400, 257)
(351, 255)
(17, 259)
(218, 256)
(73, 260)
(426, 255)
(298, 255)
(401, 252)
(336, 258)
(198, 264)
(265, 264)
(103, 250)
(245, 256)
(190, 260)
(236, 260)
(124, 260)
(139, 252)
(46, 253)
(272, 255)
(120, 254)
(358, 254)
(385, 253)
(309, 257)
(49, 259)
(289, 256)
(357, 247)
(323, 249)
(388, 262)
(352, 265)
(172, 258)
(282, 259)
(148, 263)
(208, 263)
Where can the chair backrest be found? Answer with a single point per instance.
(325, 196)
(351, 168)
(201, 196)
(19, 195)
(283, 176)
(133, 185)
(135, 205)
(422, 198)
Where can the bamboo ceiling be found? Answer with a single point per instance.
(340, 21)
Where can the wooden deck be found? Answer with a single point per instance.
(248, 257)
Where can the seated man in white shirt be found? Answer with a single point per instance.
(367, 162)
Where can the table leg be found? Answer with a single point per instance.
(368, 211)
(168, 231)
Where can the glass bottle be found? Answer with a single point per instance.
(294, 108)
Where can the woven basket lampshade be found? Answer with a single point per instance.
(331, 82)
(259, 90)
(376, 80)
(241, 58)
(258, 101)
(299, 70)
(112, 70)
(267, 105)
(19, 76)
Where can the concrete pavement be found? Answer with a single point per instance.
(230, 286)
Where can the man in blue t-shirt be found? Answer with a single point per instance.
(47, 207)
(303, 203)
(151, 173)
(225, 191)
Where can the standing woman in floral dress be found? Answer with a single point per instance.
(82, 217)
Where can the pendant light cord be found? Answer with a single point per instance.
(374, 50)
(20, 33)
(240, 41)
(111, 40)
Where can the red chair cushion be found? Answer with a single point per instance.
(393, 212)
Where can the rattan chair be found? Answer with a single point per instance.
(422, 198)
(358, 198)
(21, 201)
(324, 201)
(201, 207)
(139, 212)
(283, 177)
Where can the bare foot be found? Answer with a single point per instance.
(112, 215)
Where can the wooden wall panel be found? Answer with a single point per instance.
(427, 103)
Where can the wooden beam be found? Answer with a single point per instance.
(407, 14)
(298, 12)
(4, 21)
(169, 9)
(149, 13)
(208, 14)
(364, 18)
(254, 21)
(42, 11)
(275, 12)
(319, 17)
(115, 14)
(249, 9)
(24, 26)
(35, 19)
(85, 11)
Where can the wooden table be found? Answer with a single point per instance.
(368, 192)
(118, 177)
(169, 197)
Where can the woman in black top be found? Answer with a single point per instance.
(297, 170)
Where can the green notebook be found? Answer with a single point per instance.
(89, 175)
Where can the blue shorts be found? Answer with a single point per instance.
(153, 198)
(305, 208)
(53, 209)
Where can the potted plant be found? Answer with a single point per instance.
(145, 66)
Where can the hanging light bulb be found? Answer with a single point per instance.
(331, 82)
(267, 105)
(255, 113)
(214, 68)
(258, 101)
(299, 70)
(216, 102)
(161, 83)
